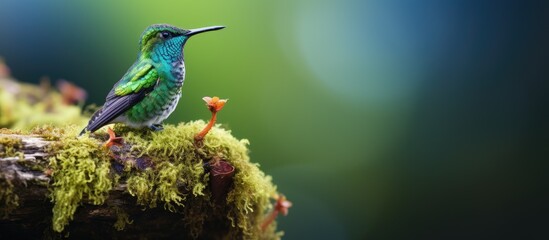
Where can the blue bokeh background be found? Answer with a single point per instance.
(378, 119)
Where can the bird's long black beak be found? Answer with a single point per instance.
(201, 30)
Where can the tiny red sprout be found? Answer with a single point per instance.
(113, 139)
(281, 206)
(4, 70)
(71, 93)
(215, 105)
(48, 172)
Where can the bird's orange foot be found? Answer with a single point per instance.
(113, 139)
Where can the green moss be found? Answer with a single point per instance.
(7, 102)
(25, 106)
(9, 131)
(51, 133)
(179, 181)
(9, 200)
(9, 146)
(122, 218)
(81, 173)
(160, 184)
(37, 166)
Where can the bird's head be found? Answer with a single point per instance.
(167, 40)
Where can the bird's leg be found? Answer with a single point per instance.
(113, 139)
(156, 127)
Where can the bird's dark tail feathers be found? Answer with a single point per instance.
(83, 131)
(93, 124)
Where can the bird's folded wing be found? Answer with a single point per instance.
(140, 79)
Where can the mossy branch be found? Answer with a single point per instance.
(177, 183)
(156, 185)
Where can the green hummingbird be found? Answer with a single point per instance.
(149, 91)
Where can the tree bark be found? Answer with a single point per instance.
(31, 219)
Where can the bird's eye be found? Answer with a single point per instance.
(165, 35)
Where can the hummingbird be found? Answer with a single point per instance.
(150, 90)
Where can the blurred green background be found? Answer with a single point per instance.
(378, 119)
